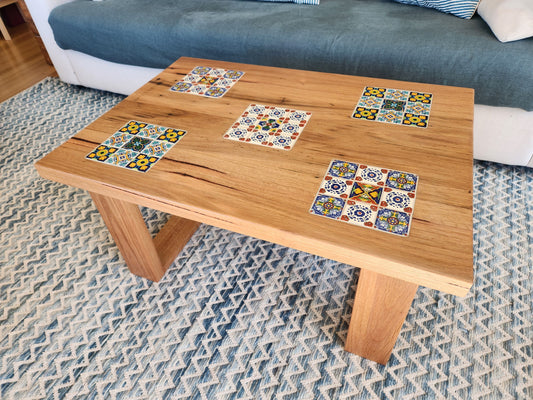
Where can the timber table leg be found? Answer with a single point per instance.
(145, 257)
(379, 311)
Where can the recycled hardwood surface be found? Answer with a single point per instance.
(266, 193)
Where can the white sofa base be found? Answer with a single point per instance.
(501, 134)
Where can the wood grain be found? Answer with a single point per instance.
(145, 257)
(380, 307)
(22, 63)
(3, 28)
(266, 193)
(172, 238)
(126, 225)
(29, 21)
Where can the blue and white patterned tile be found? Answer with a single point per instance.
(335, 186)
(372, 175)
(327, 206)
(236, 134)
(157, 148)
(397, 94)
(281, 142)
(151, 131)
(393, 221)
(343, 169)
(208, 82)
(370, 102)
(390, 116)
(118, 139)
(368, 196)
(401, 180)
(122, 158)
(271, 126)
(359, 214)
(398, 200)
(418, 108)
(258, 137)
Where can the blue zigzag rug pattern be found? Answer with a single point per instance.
(234, 317)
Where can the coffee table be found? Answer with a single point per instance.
(267, 192)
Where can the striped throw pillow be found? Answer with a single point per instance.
(460, 8)
(314, 2)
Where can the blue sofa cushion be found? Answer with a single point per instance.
(313, 2)
(377, 38)
(460, 8)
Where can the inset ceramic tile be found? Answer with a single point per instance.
(422, 97)
(136, 143)
(101, 153)
(133, 127)
(390, 116)
(392, 221)
(366, 193)
(343, 169)
(372, 175)
(142, 162)
(374, 91)
(157, 148)
(271, 126)
(118, 139)
(365, 113)
(359, 214)
(394, 106)
(207, 81)
(418, 108)
(370, 102)
(338, 187)
(398, 200)
(137, 146)
(367, 196)
(328, 206)
(415, 120)
(395, 94)
(401, 180)
(122, 158)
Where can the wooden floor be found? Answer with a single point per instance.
(22, 63)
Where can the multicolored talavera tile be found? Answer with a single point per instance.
(394, 106)
(271, 126)
(137, 146)
(367, 196)
(208, 82)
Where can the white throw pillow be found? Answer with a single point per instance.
(508, 19)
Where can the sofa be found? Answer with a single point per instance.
(118, 45)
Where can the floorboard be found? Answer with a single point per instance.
(22, 63)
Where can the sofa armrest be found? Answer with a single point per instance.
(40, 10)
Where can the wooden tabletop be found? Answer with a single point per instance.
(267, 193)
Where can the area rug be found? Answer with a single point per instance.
(234, 317)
